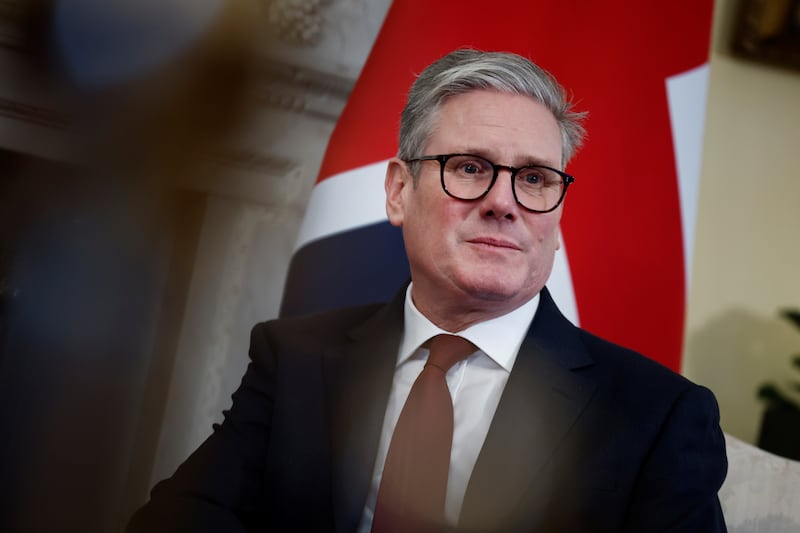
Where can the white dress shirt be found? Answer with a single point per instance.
(476, 384)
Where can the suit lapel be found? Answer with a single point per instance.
(541, 402)
(359, 378)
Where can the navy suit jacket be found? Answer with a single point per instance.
(588, 436)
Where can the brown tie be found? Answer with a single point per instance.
(411, 497)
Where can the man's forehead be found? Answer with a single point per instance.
(495, 124)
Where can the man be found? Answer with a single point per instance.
(553, 429)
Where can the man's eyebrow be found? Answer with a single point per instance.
(480, 152)
(525, 161)
(538, 161)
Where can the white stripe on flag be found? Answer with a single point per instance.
(560, 286)
(344, 202)
(686, 94)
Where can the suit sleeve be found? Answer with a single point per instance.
(219, 487)
(677, 487)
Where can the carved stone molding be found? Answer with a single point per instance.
(302, 90)
(252, 161)
(347, 29)
(303, 94)
(296, 22)
(298, 88)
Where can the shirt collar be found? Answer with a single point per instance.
(499, 338)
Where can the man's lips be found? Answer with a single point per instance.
(495, 242)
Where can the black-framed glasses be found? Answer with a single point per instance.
(536, 188)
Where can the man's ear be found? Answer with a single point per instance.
(398, 184)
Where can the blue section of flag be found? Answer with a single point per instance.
(364, 265)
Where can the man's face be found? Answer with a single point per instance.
(488, 255)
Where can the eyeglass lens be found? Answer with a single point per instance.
(469, 177)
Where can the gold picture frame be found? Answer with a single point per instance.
(769, 31)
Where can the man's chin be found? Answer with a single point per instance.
(496, 292)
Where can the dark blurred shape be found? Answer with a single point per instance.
(793, 315)
(780, 426)
(96, 251)
(768, 31)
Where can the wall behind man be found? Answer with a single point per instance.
(747, 259)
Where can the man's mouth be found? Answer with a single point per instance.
(495, 243)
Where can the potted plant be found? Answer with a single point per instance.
(780, 426)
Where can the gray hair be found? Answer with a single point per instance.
(465, 70)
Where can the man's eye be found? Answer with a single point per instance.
(470, 168)
(532, 178)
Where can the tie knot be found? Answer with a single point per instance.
(447, 350)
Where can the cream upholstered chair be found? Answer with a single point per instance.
(762, 491)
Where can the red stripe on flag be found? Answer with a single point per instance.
(622, 225)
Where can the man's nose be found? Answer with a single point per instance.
(499, 202)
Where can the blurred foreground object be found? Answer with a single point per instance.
(156, 82)
(96, 247)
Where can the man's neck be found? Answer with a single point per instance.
(499, 337)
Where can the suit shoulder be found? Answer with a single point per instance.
(625, 364)
(323, 328)
(645, 393)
